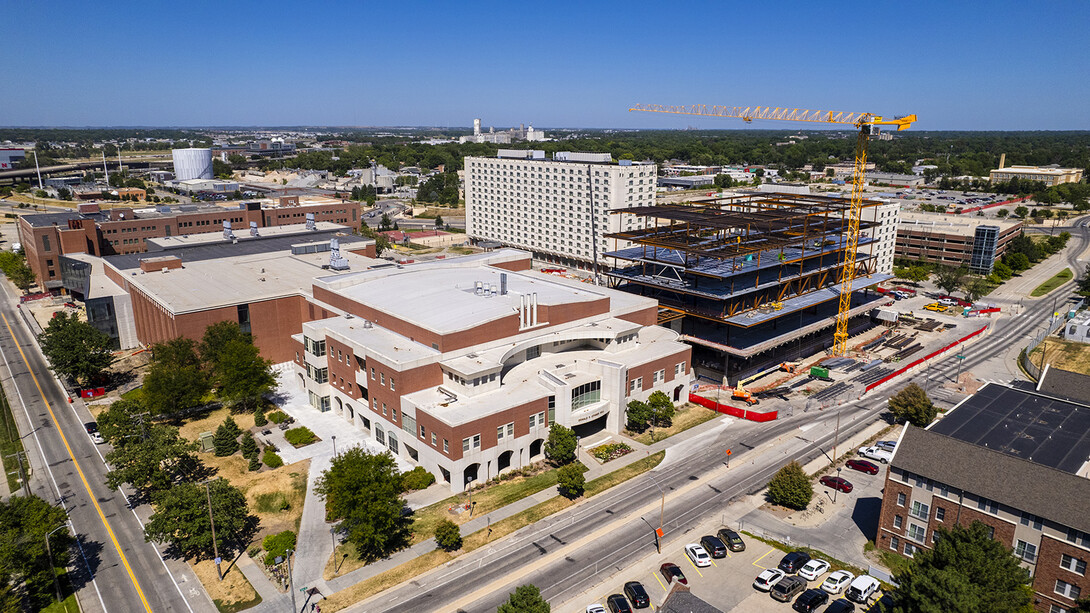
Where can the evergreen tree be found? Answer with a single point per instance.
(226, 438)
(255, 464)
(259, 417)
(249, 446)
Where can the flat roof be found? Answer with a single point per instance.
(1036, 170)
(1042, 429)
(242, 234)
(952, 224)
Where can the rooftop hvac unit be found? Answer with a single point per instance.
(253, 229)
(227, 233)
(503, 284)
(310, 222)
(336, 262)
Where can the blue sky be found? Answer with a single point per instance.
(958, 65)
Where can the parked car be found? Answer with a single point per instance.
(876, 453)
(792, 562)
(841, 606)
(636, 594)
(862, 588)
(670, 571)
(837, 581)
(948, 301)
(92, 431)
(787, 588)
(714, 545)
(595, 608)
(938, 308)
(813, 569)
(810, 600)
(698, 555)
(768, 578)
(862, 466)
(890, 445)
(617, 603)
(732, 539)
(837, 483)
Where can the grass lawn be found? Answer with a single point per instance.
(68, 606)
(10, 445)
(232, 594)
(1056, 281)
(1062, 354)
(463, 250)
(421, 564)
(687, 416)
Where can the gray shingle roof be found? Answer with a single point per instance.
(681, 600)
(1065, 384)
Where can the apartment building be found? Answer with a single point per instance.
(1049, 175)
(48, 236)
(1014, 459)
(462, 365)
(974, 242)
(558, 209)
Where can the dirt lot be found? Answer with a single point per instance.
(1065, 355)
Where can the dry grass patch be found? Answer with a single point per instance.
(191, 429)
(686, 416)
(1065, 355)
(234, 593)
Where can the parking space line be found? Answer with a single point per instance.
(714, 564)
(755, 562)
(694, 567)
(660, 581)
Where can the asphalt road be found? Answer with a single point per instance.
(114, 568)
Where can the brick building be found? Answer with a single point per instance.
(461, 365)
(1014, 459)
(47, 236)
(975, 242)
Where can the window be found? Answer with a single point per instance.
(552, 409)
(380, 436)
(537, 419)
(1056, 609)
(894, 543)
(898, 521)
(423, 434)
(408, 423)
(469, 442)
(901, 498)
(585, 394)
(1069, 590)
(433, 437)
(382, 378)
(635, 385)
(920, 510)
(314, 347)
(940, 513)
(1073, 564)
(45, 243)
(1029, 519)
(917, 532)
(1026, 551)
(1078, 538)
(660, 376)
(392, 388)
(988, 506)
(533, 352)
(384, 408)
(679, 368)
(372, 373)
(446, 446)
(910, 550)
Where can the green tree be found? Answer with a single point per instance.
(1082, 606)
(242, 376)
(17, 270)
(259, 417)
(1001, 213)
(965, 571)
(364, 491)
(571, 481)
(560, 446)
(226, 438)
(249, 446)
(25, 570)
(949, 278)
(75, 348)
(123, 420)
(1017, 261)
(1002, 271)
(917, 274)
(216, 338)
(154, 460)
(525, 599)
(639, 416)
(277, 546)
(448, 536)
(438, 222)
(175, 380)
(662, 409)
(912, 405)
(791, 487)
(181, 519)
(975, 288)
(1021, 212)
(385, 223)
(255, 464)
(1084, 282)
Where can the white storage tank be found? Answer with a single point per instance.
(192, 163)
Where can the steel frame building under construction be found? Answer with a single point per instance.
(752, 279)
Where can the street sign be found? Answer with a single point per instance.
(658, 532)
(728, 452)
(961, 357)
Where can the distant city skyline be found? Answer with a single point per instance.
(958, 66)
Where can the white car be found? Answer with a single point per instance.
(836, 582)
(876, 453)
(813, 569)
(890, 446)
(698, 555)
(595, 608)
(861, 588)
(768, 578)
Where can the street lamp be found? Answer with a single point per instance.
(215, 548)
(53, 569)
(837, 488)
(291, 583)
(662, 513)
(334, 445)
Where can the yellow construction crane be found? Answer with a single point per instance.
(863, 122)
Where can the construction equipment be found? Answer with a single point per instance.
(789, 367)
(741, 393)
(864, 122)
(818, 372)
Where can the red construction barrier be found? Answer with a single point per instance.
(93, 392)
(37, 296)
(989, 206)
(923, 359)
(732, 410)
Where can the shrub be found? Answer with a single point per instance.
(277, 417)
(277, 545)
(272, 502)
(225, 440)
(255, 464)
(272, 459)
(300, 436)
(790, 487)
(259, 418)
(560, 447)
(571, 480)
(448, 536)
(417, 479)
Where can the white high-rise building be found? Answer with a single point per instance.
(559, 209)
(885, 235)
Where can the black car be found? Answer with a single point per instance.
(792, 562)
(732, 540)
(787, 588)
(811, 600)
(714, 546)
(635, 592)
(841, 606)
(618, 604)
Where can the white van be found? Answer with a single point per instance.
(862, 588)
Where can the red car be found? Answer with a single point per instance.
(837, 483)
(670, 570)
(863, 466)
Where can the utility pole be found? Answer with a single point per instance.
(53, 570)
(105, 170)
(37, 168)
(215, 548)
(291, 583)
(836, 440)
(662, 514)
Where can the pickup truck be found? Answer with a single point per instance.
(876, 453)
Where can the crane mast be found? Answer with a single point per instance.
(864, 122)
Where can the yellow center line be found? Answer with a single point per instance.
(761, 558)
(87, 486)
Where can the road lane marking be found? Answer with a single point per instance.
(83, 478)
(761, 558)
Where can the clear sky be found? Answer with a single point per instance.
(957, 64)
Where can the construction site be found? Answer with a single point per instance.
(752, 281)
